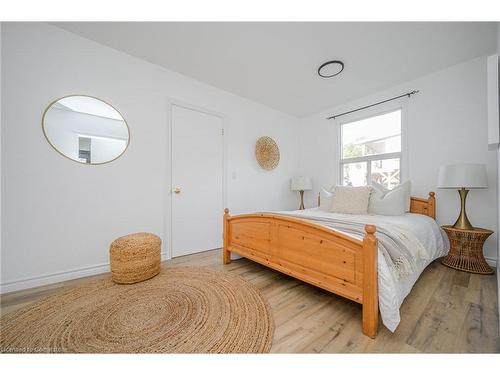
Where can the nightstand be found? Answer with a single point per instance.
(466, 250)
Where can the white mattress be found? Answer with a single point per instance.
(392, 292)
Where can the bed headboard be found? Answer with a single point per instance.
(424, 206)
(417, 205)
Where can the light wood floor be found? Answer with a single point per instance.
(447, 311)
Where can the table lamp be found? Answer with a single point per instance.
(462, 177)
(301, 184)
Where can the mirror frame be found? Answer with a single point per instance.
(67, 157)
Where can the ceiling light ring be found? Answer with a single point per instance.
(337, 62)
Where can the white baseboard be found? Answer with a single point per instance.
(492, 262)
(56, 277)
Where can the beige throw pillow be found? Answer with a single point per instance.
(351, 200)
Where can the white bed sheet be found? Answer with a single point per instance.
(392, 292)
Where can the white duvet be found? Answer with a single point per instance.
(392, 292)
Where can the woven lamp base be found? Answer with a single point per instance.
(135, 257)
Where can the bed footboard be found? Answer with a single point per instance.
(312, 253)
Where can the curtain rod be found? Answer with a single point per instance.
(408, 94)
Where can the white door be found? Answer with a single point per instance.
(197, 157)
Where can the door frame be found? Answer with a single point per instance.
(168, 196)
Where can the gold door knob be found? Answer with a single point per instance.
(177, 190)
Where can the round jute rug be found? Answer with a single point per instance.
(182, 310)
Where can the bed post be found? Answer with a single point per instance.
(370, 282)
(226, 254)
(431, 205)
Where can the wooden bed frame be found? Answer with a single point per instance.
(315, 254)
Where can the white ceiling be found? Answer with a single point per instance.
(276, 63)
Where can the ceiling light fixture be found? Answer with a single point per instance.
(331, 68)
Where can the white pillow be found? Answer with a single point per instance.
(390, 202)
(325, 199)
(351, 200)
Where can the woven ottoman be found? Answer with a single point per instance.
(135, 257)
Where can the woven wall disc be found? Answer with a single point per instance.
(267, 153)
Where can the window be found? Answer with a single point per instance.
(371, 150)
(84, 149)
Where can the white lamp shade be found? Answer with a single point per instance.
(301, 183)
(456, 176)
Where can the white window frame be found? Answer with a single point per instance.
(373, 112)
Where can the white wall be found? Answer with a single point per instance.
(44, 195)
(1, 158)
(498, 37)
(498, 202)
(446, 123)
(103, 150)
(498, 231)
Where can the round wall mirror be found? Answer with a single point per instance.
(85, 129)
